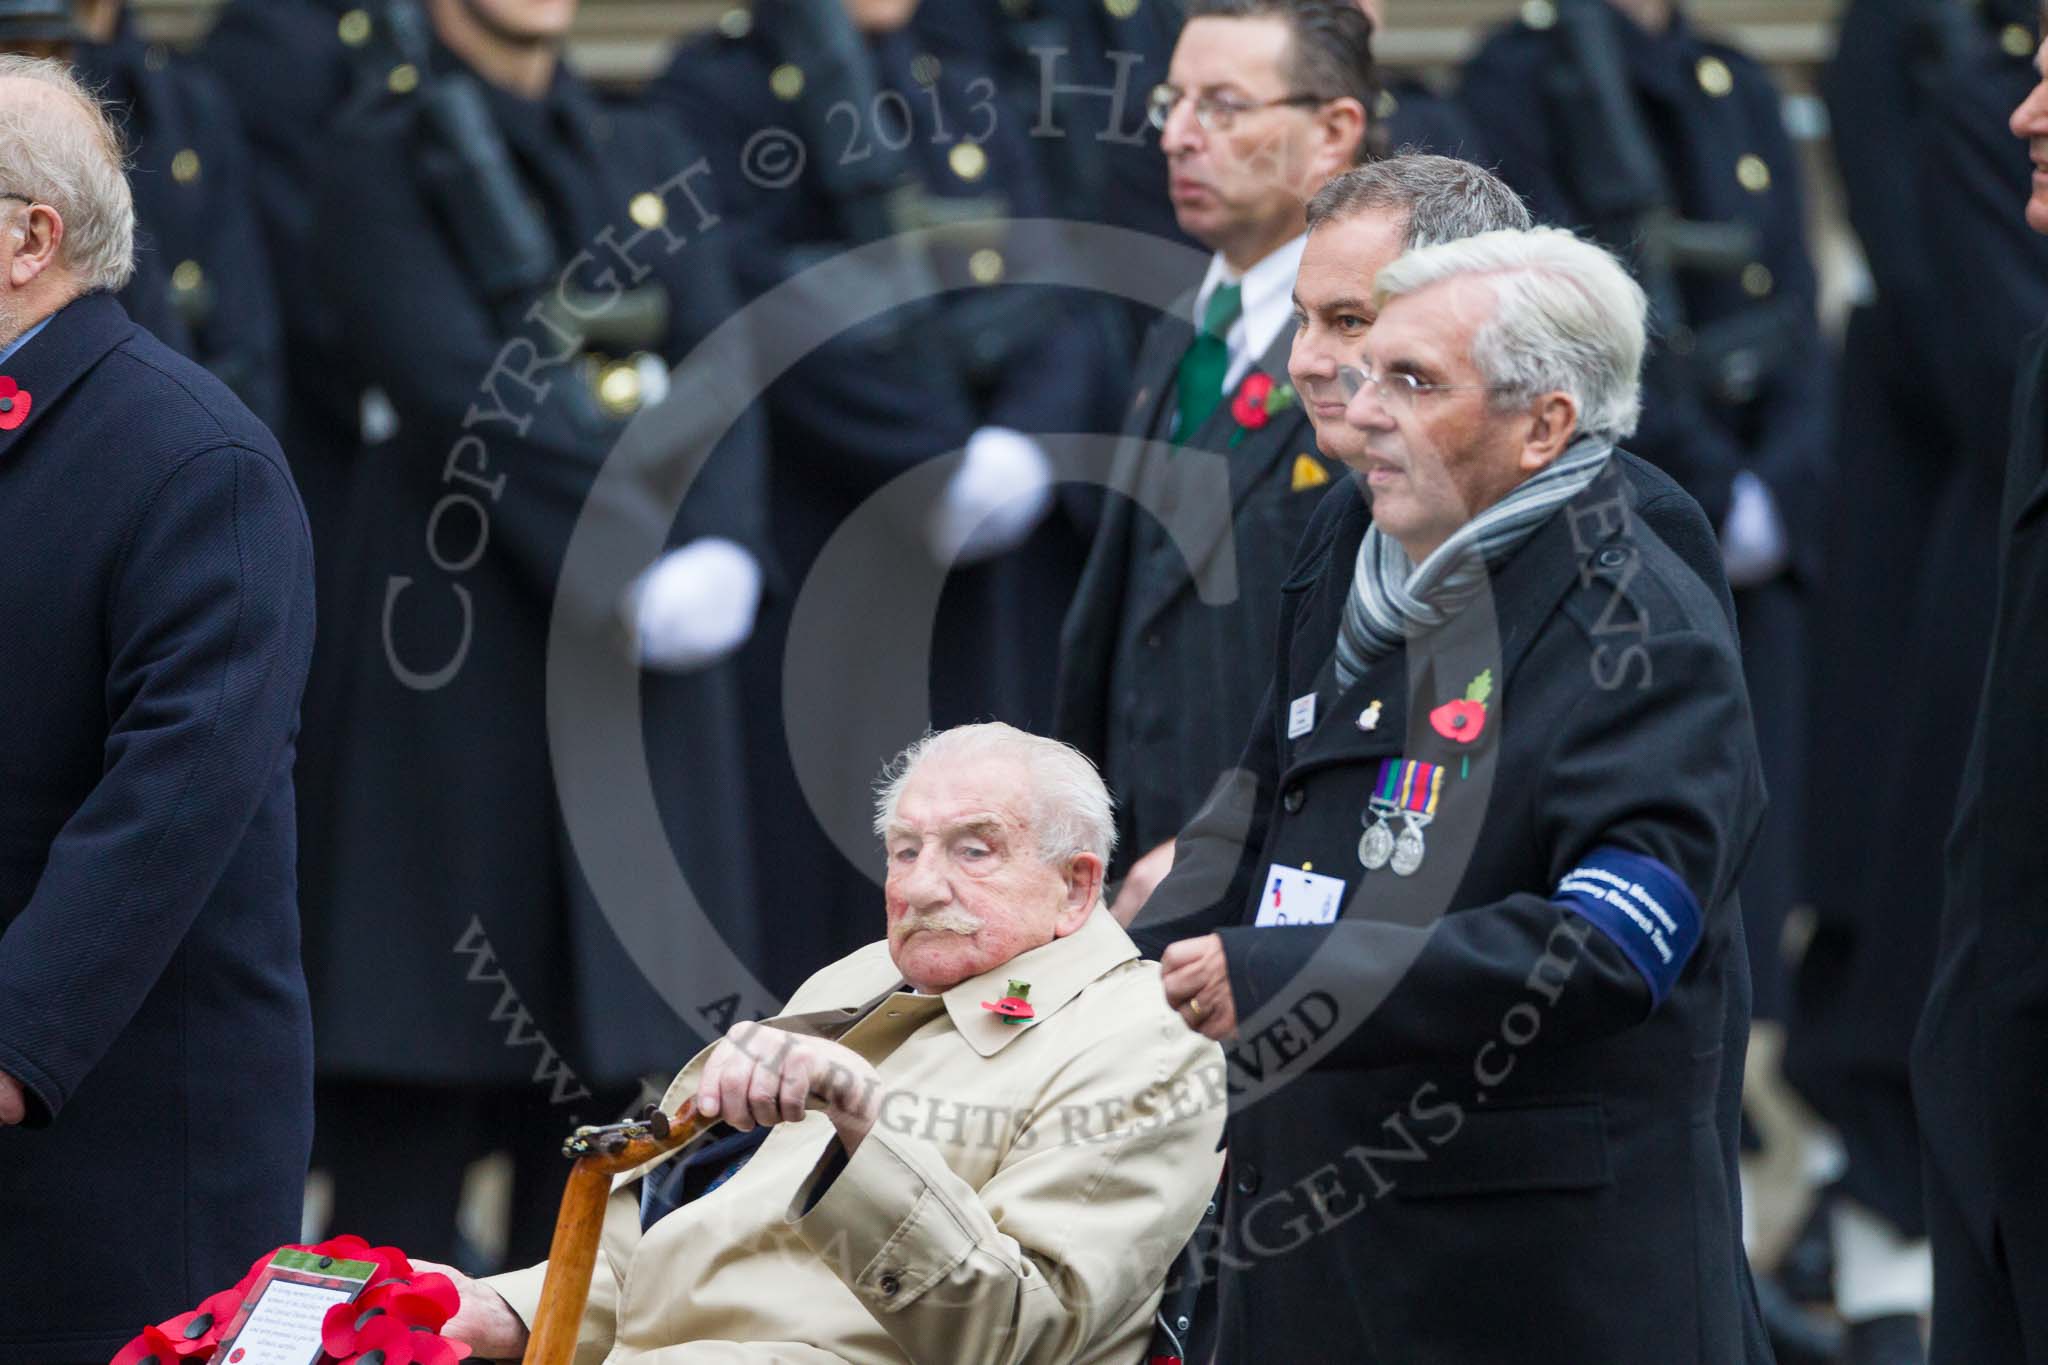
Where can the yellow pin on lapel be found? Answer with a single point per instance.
(1309, 473)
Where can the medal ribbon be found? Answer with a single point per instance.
(1390, 782)
(1409, 785)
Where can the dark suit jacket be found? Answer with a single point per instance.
(1983, 1043)
(1472, 1101)
(1163, 655)
(156, 619)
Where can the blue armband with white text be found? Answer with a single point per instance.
(1643, 906)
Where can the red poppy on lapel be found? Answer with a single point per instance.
(14, 404)
(1249, 406)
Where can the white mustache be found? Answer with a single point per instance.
(951, 920)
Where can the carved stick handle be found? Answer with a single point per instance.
(572, 1255)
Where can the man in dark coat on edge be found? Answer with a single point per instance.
(1511, 1034)
(156, 619)
(1982, 1047)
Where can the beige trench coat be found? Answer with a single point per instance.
(1020, 1198)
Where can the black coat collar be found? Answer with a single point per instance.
(77, 336)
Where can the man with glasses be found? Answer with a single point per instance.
(1265, 101)
(156, 622)
(1469, 909)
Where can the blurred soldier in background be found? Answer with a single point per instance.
(510, 267)
(288, 66)
(1920, 93)
(1616, 118)
(1083, 68)
(1408, 116)
(201, 283)
(1266, 103)
(898, 127)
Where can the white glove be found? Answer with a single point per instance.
(695, 605)
(1001, 492)
(1754, 547)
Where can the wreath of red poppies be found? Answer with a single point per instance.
(395, 1321)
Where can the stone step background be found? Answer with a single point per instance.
(624, 40)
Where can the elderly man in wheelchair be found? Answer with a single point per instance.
(984, 1139)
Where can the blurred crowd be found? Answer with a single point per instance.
(791, 378)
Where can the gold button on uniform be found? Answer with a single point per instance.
(1386, 106)
(404, 79)
(924, 69)
(187, 277)
(736, 23)
(968, 161)
(354, 28)
(1539, 14)
(2017, 40)
(648, 210)
(1715, 77)
(1120, 9)
(1757, 280)
(618, 388)
(1753, 173)
(986, 265)
(786, 81)
(185, 167)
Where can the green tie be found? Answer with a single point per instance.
(1199, 386)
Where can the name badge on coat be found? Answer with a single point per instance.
(1294, 895)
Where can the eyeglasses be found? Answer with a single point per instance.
(1398, 392)
(1211, 111)
(10, 194)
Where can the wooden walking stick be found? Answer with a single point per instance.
(599, 1153)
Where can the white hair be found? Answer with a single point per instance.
(71, 159)
(1567, 317)
(1071, 809)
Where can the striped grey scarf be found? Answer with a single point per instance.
(1393, 600)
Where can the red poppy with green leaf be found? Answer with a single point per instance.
(1257, 399)
(1464, 720)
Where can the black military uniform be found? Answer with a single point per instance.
(1745, 386)
(514, 295)
(1409, 116)
(1159, 658)
(1475, 1122)
(883, 400)
(195, 213)
(1079, 72)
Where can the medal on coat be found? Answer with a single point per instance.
(1376, 845)
(1408, 788)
